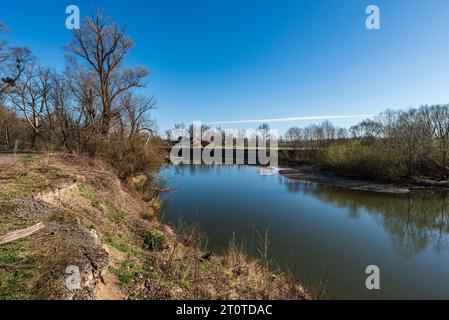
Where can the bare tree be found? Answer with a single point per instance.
(367, 129)
(4, 127)
(30, 97)
(439, 118)
(264, 129)
(13, 61)
(342, 133)
(101, 46)
(179, 126)
(63, 111)
(82, 86)
(412, 135)
(294, 135)
(329, 131)
(135, 113)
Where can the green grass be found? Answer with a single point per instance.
(9, 224)
(186, 284)
(118, 245)
(31, 159)
(15, 281)
(9, 195)
(23, 185)
(206, 266)
(17, 267)
(50, 170)
(92, 198)
(115, 214)
(95, 201)
(29, 181)
(126, 270)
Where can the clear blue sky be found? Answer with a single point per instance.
(216, 60)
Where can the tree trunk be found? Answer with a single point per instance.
(7, 137)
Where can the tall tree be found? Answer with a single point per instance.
(439, 118)
(264, 129)
(30, 97)
(294, 134)
(13, 61)
(100, 47)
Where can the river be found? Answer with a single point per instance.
(320, 232)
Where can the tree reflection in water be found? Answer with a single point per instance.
(415, 221)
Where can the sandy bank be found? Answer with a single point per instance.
(317, 175)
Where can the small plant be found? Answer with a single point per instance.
(50, 170)
(121, 247)
(114, 214)
(155, 240)
(126, 270)
(14, 281)
(186, 284)
(30, 159)
(94, 200)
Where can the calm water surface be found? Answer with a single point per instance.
(319, 230)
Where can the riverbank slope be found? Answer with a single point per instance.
(102, 240)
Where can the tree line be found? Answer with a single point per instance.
(92, 107)
(395, 145)
(315, 135)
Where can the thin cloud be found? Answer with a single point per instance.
(291, 119)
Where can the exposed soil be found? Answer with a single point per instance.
(319, 175)
(8, 159)
(104, 228)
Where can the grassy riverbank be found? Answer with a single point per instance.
(110, 230)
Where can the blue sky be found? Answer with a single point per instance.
(217, 60)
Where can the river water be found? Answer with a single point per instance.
(320, 232)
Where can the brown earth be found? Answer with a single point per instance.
(313, 174)
(102, 226)
(319, 175)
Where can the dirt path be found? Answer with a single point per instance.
(8, 159)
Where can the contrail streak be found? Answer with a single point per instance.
(291, 119)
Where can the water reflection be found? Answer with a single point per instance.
(203, 170)
(315, 228)
(415, 221)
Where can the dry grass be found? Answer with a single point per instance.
(111, 231)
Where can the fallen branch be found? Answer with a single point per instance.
(166, 190)
(12, 267)
(17, 235)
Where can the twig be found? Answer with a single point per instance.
(12, 267)
(324, 283)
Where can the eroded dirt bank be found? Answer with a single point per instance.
(319, 175)
(109, 231)
(313, 174)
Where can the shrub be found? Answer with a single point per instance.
(155, 240)
(132, 156)
(363, 160)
